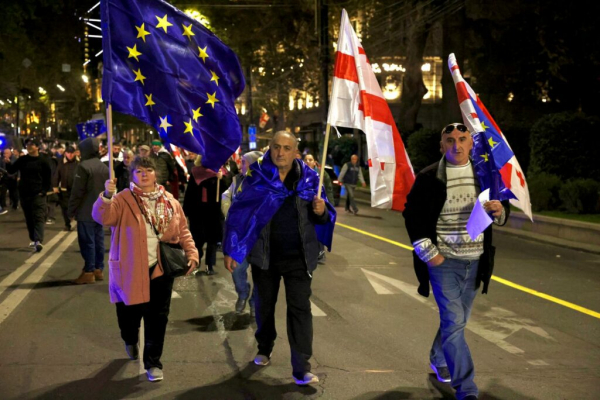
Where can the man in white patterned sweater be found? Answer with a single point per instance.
(436, 214)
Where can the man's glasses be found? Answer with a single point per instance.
(460, 127)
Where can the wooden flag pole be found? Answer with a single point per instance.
(323, 159)
(109, 139)
(218, 186)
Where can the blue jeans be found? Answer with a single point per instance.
(240, 280)
(90, 236)
(454, 288)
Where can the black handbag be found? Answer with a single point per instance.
(172, 256)
(172, 259)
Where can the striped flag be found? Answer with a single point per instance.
(357, 102)
(477, 118)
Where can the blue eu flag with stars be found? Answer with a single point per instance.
(168, 70)
(91, 129)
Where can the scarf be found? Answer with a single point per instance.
(158, 216)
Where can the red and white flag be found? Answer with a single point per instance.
(357, 102)
(179, 159)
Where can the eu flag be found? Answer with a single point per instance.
(260, 196)
(91, 129)
(169, 71)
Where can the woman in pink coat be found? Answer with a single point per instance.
(140, 217)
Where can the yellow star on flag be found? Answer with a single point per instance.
(139, 76)
(187, 31)
(491, 142)
(149, 101)
(203, 54)
(212, 99)
(260, 159)
(240, 188)
(164, 124)
(485, 157)
(215, 77)
(249, 172)
(484, 126)
(133, 52)
(163, 23)
(142, 32)
(197, 114)
(188, 127)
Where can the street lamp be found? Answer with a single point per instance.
(62, 89)
(85, 78)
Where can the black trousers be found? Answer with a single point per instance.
(3, 191)
(156, 316)
(64, 206)
(13, 193)
(34, 209)
(200, 239)
(299, 316)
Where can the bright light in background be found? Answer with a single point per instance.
(1, 103)
(62, 89)
(511, 96)
(85, 78)
(426, 67)
(198, 17)
(42, 90)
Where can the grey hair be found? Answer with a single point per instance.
(279, 133)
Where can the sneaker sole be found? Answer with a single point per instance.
(154, 379)
(439, 378)
(304, 383)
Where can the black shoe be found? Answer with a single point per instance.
(210, 270)
(38, 246)
(442, 373)
(355, 212)
(240, 305)
(67, 229)
(470, 397)
(133, 351)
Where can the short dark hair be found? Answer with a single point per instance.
(144, 162)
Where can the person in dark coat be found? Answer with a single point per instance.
(122, 171)
(202, 206)
(34, 185)
(90, 176)
(62, 182)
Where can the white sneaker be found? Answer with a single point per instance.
(262, 360)
(154, 374)
(308, 379)
(32, 244)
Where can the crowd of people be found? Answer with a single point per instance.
(272, 227)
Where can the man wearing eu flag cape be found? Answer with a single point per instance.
(277, 221)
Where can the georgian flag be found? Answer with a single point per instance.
(477, 118)
(357, 102)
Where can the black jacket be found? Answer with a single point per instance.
(165, 167)
(260, 254)
(36, 175)
(65, 174)
(90, 176)
(423, 206)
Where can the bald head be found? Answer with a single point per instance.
(284, 134)
(283, 150)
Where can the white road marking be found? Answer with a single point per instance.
(175, 295)
(19, 293)
(16, 274)
(494, 325)
(316, 311)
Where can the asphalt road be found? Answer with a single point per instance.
(372, 332)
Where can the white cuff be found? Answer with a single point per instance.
(425, 249)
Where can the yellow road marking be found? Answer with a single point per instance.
(494, 277)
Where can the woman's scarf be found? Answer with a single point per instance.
(158, 216)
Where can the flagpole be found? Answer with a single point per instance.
(109, 135)
(323, 159)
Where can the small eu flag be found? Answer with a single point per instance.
(168, 70)
(91, 129)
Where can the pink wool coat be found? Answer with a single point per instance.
(128, 278)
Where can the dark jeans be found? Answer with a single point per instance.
(299, 316)
(200, 239)
(34, 209)
(13, 193)
(3, 191)
(156, 316)
(350, 203)
(91, 244)
(64, 206)
(454, 288)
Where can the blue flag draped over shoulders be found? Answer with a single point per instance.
(168, 70)
(259, 197)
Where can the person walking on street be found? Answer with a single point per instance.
(90, 176)
(350, 175)
(62, 182)
(202, 206)
(165, 165)
(122, 171)
(11, 179)
(240, 273)
(284, 244)
(436, 214)
(34, 185)
(140, 217)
